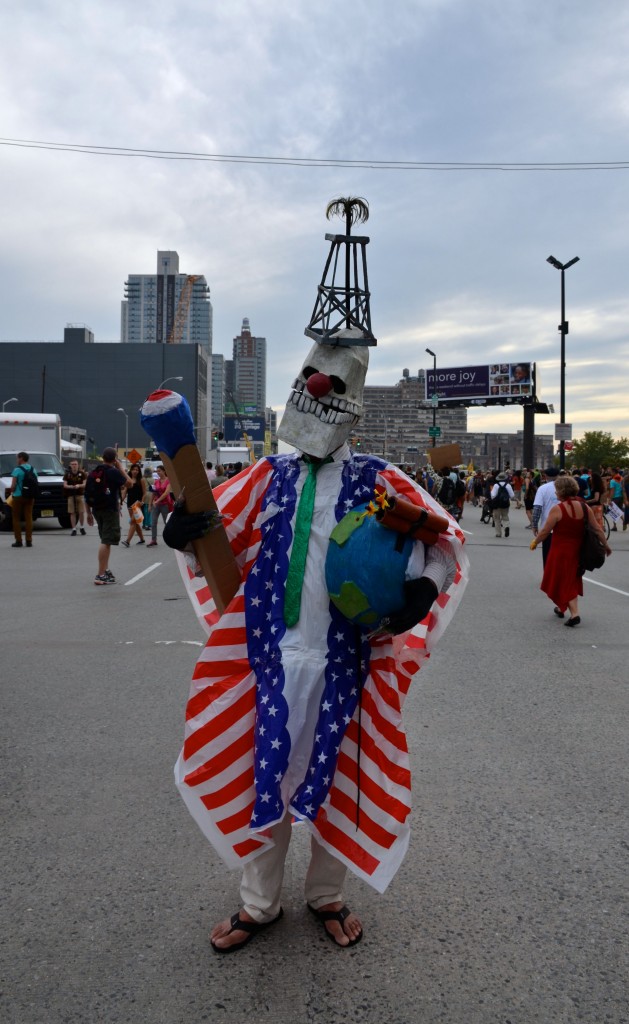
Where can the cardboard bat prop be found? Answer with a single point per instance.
(166, 418)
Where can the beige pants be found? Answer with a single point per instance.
(261, 885)
(501, 518)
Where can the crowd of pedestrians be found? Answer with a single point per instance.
(146, 493)
(559, 506)
(600, 487)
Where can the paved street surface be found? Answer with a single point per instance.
(511, 905)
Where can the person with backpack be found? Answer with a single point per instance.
(102, 497)
(447, 491)
(24, 488)
(501, 495)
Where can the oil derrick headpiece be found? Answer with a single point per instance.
(341, 314)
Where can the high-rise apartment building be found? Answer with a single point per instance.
(218, 390)
(167, 307)
(245, 374)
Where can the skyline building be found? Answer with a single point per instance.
(167, 307)
(245, 373)
(396, 419)
(217, 365)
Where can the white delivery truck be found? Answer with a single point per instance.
(229, 454)
(38, 434)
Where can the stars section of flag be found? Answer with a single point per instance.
(264, 599)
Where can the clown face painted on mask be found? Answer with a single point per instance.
(326, 401)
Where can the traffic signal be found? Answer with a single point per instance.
(358, 442)
(218, 436)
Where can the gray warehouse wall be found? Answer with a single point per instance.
(85, 383)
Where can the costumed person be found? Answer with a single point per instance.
(295, 710)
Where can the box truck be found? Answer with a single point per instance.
(38, 434)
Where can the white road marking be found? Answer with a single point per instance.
(135, 579)
(605, 586)
(197, 643)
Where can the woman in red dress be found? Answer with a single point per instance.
(562, 581)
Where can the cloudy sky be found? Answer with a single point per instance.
(457, 259)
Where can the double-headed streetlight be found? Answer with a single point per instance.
(166, 381)
(563, 327)
(435, 397)
(126, 430)
(7, 402)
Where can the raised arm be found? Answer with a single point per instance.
(553, 518)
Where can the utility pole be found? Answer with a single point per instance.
(563, 327)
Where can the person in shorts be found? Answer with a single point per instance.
(73, 488)
(102, 497)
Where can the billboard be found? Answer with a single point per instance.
(492, 384)
(255, 427)
(243, 408)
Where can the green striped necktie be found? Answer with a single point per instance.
(301, 535)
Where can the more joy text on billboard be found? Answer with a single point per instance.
(494, 383)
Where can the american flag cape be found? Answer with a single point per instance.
(355, 794)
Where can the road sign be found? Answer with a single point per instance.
(563, 431)
(434, 431)
(133, 456)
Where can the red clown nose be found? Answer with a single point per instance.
(319, 384)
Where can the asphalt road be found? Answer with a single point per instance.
(511, 905)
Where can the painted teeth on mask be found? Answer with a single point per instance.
(339, 411)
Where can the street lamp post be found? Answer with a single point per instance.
(434, 403)
(166, 381)
(7, 402)
(563, 327)
(126, 431)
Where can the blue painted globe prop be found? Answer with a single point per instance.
(365, 568)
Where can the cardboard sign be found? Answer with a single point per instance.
(447, 455)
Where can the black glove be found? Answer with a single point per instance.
(419, 596)
(181, 527)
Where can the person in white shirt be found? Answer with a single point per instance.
(501, 495)
(545, 499)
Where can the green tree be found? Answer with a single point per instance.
(598, 448)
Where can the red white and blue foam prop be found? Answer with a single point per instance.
(167, 419)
